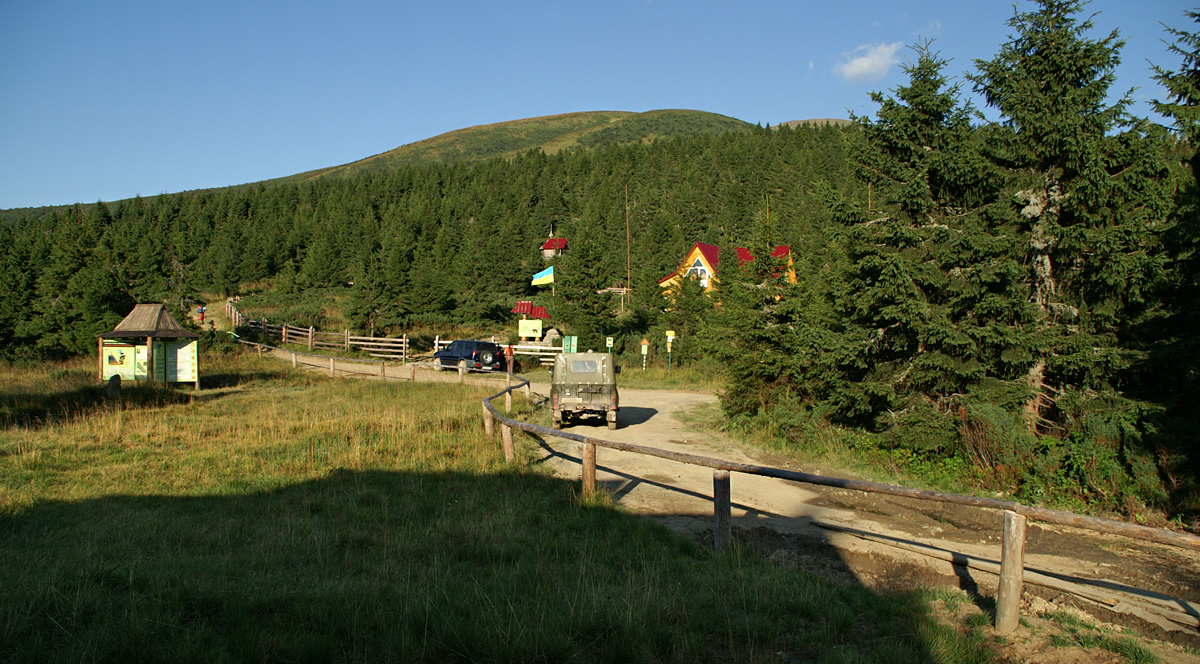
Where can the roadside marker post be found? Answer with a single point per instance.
(670, 340)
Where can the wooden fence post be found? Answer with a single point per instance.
(412, 376)
(462, 372)
(722, 521)
(489, 424)
(331, 374)
(310, 337)
(404, 350)
(293, 359)
(383, 371)
(347, 340)
(259, 346)
(506, 436)
(1012, 572)
(589, 469)
(282, 334)
(508, 394)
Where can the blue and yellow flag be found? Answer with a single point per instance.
(544, 277)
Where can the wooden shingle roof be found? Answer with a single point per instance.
(150, 320)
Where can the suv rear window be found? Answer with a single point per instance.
(584, 366)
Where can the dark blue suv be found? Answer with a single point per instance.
(471, 354)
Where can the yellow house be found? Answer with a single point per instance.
(700, 263)
(703, 259)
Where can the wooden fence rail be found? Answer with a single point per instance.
(391, 348)
(545, 354)
(1011, 571)
(388, 348)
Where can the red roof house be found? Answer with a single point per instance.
(553, 247)
(703, 260)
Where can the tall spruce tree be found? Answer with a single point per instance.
(922, 324)
(1088, 187)
(1173, 375)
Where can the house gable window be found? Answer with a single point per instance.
(698, 271)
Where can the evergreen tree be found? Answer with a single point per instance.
(1173, 375)
(578, 303)
(1088, 188)
(923, 261)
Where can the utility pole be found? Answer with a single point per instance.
(628, 271)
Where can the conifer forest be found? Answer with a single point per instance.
(1014, 285)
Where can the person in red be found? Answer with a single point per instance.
(508, 359)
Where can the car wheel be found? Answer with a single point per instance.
(487, 358)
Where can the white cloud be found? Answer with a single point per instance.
(869, 63)
(932, 31)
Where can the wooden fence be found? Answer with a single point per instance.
(545, 354)
(361, 368)
(389, 348)
(392, 348)
(1178, 613)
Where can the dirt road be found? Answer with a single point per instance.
(878, 541)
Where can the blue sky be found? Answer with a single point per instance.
(108, 100)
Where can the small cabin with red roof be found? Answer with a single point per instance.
(553, 247)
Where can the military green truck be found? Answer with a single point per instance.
(584, 384)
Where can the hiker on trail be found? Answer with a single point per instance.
(508, 359)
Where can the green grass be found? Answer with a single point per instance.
(284, 516)
(1077, 633)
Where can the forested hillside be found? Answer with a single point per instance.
(1013, 299)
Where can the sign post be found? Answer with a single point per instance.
(608, 341)
(645, 349)
(670, 340)
(570, 344)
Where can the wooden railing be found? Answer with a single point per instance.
(545, 354)
(1012, 569)
(393, 348)
(390, 348)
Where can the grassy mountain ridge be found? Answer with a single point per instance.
(550, 133)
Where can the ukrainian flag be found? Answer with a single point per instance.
(544, 277)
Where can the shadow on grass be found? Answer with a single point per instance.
(787, 541)
(408, 566)
(32, 410)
